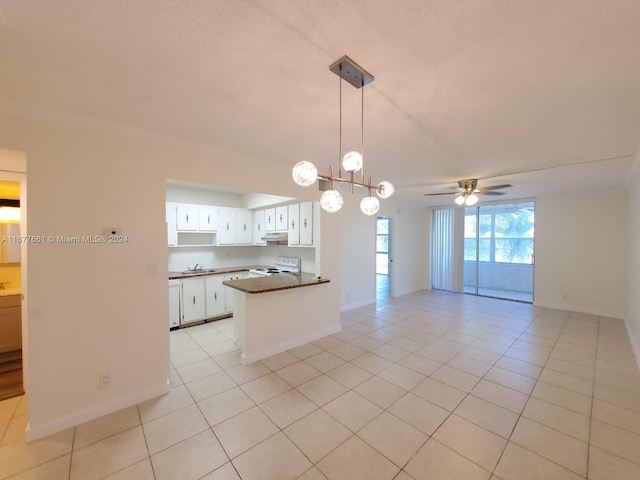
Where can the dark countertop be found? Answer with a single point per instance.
(211, 271)
(273, 283)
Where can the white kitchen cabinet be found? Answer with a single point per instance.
(228, 291)
(193, 305)
(227, 226)
(214, 296)
(270, 219)
(188, 217)
(294, 224)
(172, 234)
(208, 218)
(174, 303)
(306, 223)
(282, 222)
(244, 227)
(258, 227)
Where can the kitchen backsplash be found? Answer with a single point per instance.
(218, 257)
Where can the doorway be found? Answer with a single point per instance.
(383, 259)
(499, 251)
(12, 257)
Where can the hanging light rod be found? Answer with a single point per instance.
(305, 173)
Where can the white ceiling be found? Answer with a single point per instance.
(463, 88)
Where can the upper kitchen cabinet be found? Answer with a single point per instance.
(258, 227)
(301, 224)
(282, 222)
(306, 223)
(188, 217)
(172, 234)
(227, 226)
(244, 227)
(294, 224)
(270, 219)
(235, 226)
(208, 217)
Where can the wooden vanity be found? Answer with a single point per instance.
(10, 321)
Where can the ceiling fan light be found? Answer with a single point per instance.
(304, 173)
(471, 200)
(369, 205)
(331, 201)
(459, 199)
(385, 189)
(352, 162)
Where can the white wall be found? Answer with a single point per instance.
(97, 308)
(409, 251)
(633, 309)
(409, 246)
(581, 252)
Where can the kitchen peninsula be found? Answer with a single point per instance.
(278, 312)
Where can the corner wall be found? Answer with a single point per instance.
(633, 309)
(581, 249)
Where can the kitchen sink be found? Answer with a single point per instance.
(198, 270)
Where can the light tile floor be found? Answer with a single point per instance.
(427, 386)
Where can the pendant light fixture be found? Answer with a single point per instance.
(305, 173)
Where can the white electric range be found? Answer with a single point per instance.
(282, 265)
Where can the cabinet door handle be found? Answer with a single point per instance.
(227, 226)
(258, 227)
(280, 218)
(269, 220)
(305, 223)
(208, 219)
(293, 224)
(187, 218)
(194, 299)
(244, 226)
(215, 296)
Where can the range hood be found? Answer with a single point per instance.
(277, 237)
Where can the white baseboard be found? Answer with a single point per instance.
(579, 309)
(362, 303)
(632, 340)
(76, 418)
(254, 357)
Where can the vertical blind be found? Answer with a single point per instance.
(447, 249)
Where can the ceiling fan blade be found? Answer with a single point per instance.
(444, 193)
(491, 193)
(496, 187)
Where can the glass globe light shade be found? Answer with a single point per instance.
(385, 189)
(352, 162)
(331, 201)
(304, 173)
(471, 199)
(369, 205)
(459, 199)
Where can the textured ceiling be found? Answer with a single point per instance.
(463, 88)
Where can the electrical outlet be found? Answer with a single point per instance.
(106, 379)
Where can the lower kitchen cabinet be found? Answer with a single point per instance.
(214, 296)
(193, 305)
(228, 291)
(174, 303)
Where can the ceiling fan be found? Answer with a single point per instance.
(468, 191)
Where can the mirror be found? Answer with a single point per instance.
(9, 221)
(9, 250)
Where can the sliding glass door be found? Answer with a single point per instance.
(499, 251)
